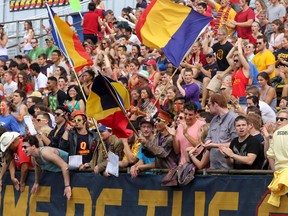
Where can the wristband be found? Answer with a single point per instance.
(67, 186)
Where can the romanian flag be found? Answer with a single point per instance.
(104, 102)
(171, 27)
(68, 42)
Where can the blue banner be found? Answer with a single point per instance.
(96, 195)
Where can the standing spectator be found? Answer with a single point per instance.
(154, 75)
(224, 15)
(10, 86)
(88, 77)
(245, 151)
(74, 99)
(6, 119)
(256, 31)
(77, 139)
(221, 130)
(21, 110)
(12, 144)
(249, 51)
(50, 47)
(259, 6)
(264, 60)
(3, 43)
(47, 158)
(36, 51)
(275, 11)
(243, 20)
(161, 147)
(277, 35)
(56, 97)
(91, 23)
(221, 48)
(23, 83)
(40, 80)
(28, 35)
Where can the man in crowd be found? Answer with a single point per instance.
(221, 130)
(10, 86)
(42, 61)
(40, 80)
(50, 47)
(245, 151)
(56, 59)
(36, 51)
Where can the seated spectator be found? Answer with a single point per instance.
(245, 151)
(40, 80)
(24, 83)
(6, 119)
(11, 143)
(131, 149)
(283, 103)
(47, 158)
(277, 36)
(10, 86)
(42, 122)
(74, 99)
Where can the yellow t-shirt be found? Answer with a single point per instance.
(263, 60)
(135, 149)
(231, 16)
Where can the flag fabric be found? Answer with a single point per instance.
(75, 5)
(102, 106)
(68, 42)
(171, 27)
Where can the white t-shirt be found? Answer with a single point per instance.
(40, 81)
(10, 88)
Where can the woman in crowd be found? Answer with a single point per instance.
(23, 83)
(249, 50)
(135, 52)
(6, 119)
(75, 101)
(277, 35)
(256, 31)
(3, 43)
(267, 92)
(29, 34)
(259, 6)
(169, 102)
(88, 77)
(61, 72)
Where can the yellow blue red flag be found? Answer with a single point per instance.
(106, 102)
(68, 42)
(171, 27)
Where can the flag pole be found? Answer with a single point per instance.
(76, 76)
(122, 109)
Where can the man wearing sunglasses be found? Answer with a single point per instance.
(161, 147)
(61, 114)
(77, 139)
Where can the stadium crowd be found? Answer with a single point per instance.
(219, 109)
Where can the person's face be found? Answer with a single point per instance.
(41, 121)
(17, 98)
(221, 36)
(169, 68)
(237, 63)
(29, 102)
(178, 105)
(190, 117)
(224, 3)
(211, 108)
(260, 45)
(255, 27)
(79, 122)
(27, 148)
(20, 78)
(50, 85)
(250, 103)
(200, 9)
(49, 43)
(188, 77)
(143, 50)
(285, 43)
(7, 77)
(180, 118)
(258, 6)
(144, 94)
(262, 82)
(34, 44)
(123, 58)
(170, 94)
(146, 129)
(2, 71)
(105, 135)
(134, 95)
(59, 116)
(283, 104)
(281, 120)
(150, 68)
(274, 27)
(210, 59)
(249, 48)
(195, 48)
(241, 128)
(4, 108)
(160, 124)
(72, 93)
(55, 57)
(242, 3)
(86, 77)
(61, 83)
(41, 61)
(132, 67)
(134, 51)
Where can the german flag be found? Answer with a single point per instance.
(105, 103)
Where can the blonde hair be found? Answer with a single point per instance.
(203, 132)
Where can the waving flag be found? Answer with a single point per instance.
(106, 102)
(68, 42)
(171, 27)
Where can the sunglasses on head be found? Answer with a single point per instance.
(159, 120)
(77, 120)
(280, 118)
(40, 120)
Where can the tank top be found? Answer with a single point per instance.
(3, 51)
(22, 125)
(49, 166)
(273, 103)
(239, 83)
(27, 45)
(71, 108)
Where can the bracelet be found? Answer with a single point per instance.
(67, 186)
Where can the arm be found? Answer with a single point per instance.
(12, 170)
(204, 161)
(212, 3)
(248, 159)
(242, 59)
(24, 172)
(127, 151)
(23, 112)
(229, 57)
(270, 96)
(269, 69)
(206, 48)
(179, 80)
(36, 181)
(82, 105)
(4, 41)
(5, 166)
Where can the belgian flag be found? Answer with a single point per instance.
(105, 103)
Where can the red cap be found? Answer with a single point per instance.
(151, 62)
(165, 116)
(78, 112)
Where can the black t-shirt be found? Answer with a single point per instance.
(83, 148)
(221, 53)
(56, 100)
(249, 145)
(43, 69)
(281, 53)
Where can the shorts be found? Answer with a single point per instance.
(215, 84)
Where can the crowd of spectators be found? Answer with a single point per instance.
(219, 109)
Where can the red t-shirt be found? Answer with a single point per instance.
(90, 24)
(244, 32)
(20, 157)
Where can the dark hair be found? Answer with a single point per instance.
(32, 140)
(265, 76)
(54, 79)
(255, 100)
(240, 118)
(58, 52)
(36, 100)
(77, 89)
(63, 77)
(207, 116)
(191, 106)
(23, 85)
(254, 110)
(265, 40)
(35, 67)
(43, 55)
(30, 26)
(21, 93)
(135, 62)
(11, 106)
(91, 6)
(22, 66)
(202, 4)
(280, 25)
(124, 80)
(13, 64)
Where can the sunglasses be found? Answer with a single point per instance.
(258, 43)
(209, 56)
(25, 147)
(248, 46)
(280, 118)
(58, 114)
(33, 42)
(41, 120)
(77, 120)
(159, 120)
(180, 117)
(236, 60)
